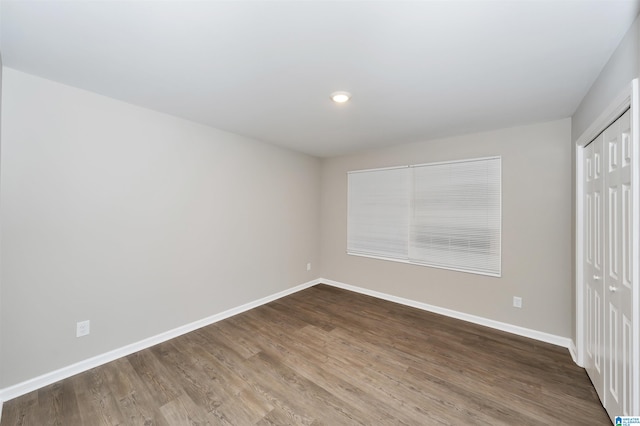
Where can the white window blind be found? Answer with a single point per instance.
(446, 215)
(378, 207)
(456, 215)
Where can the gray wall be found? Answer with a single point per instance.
(138, 221)
(1, 70)
(622, 67)
(536, 229)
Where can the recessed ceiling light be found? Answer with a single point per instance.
(340, 97)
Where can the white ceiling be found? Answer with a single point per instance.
(417, 70)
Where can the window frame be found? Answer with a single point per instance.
(410, 170)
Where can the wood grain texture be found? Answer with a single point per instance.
(326, 356)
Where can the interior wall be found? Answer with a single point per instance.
(620, 69)
(137, 221)
(1, 340)
(536, 229)
(0, 222)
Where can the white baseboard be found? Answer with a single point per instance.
(573, 350)
(510, 328)
(87, 364)
(79, 367)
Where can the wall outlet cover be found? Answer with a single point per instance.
(83, 328)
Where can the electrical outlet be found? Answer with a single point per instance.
(517, 302)
(308, 266)
(83, 328)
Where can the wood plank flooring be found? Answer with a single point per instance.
(326, 356)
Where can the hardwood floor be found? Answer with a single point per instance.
(326, 356)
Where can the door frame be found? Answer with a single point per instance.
(628, 98)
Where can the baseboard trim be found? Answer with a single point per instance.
(573, 350)
(79, 367)
(510, 328)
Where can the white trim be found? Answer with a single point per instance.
(378, 169)
(87, 364)
(574, 353)
(79, 367)
(628, 98)
(510, 328)
(579, 250)
(635, 242)
(428, 265)
(466, 160)
(615, 109)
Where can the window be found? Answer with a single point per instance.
(378, 223)
(445, 215)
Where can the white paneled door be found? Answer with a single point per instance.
(618, 289)
(608, 266)
(593, 253)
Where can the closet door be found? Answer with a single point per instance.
(618, 268)
(593, 263)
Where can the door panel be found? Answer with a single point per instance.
(617, 281)
(594, 212)
(612, 354)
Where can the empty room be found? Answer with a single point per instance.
(319, 212)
